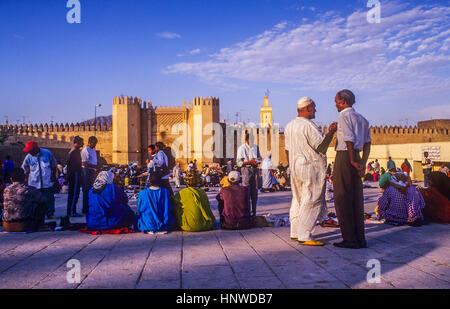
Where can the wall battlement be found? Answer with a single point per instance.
(38, 128)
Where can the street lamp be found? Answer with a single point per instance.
(95, 118)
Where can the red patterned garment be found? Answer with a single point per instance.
(123, 230)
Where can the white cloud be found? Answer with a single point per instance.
(402, 52)
(169, 35)
(194, 51)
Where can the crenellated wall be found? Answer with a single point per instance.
(60, 135)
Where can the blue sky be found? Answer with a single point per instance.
(172, 50)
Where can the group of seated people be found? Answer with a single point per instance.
(403, 203)
(157, 211)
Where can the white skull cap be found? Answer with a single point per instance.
(303, 102)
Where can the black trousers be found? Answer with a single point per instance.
(74, 183)
(250, 180)
(348, 197)
(87, 180)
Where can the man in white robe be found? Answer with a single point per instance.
(266, 167)
(306, 147)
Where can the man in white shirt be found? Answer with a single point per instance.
(88, 170)
(247, 158)
(306, 148)
(161, 166)
(353, 136)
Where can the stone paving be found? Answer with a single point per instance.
(262, 258)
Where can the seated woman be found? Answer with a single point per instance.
(437, 198)
(108, 205)
(191, 206)
(401, 202)
(154, 208)
(23, 206)
(234, 204)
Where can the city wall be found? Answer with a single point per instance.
(397, 142)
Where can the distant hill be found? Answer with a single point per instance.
(100, 119)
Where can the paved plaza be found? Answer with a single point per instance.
(410, 257)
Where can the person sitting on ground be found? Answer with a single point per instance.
(154, 208)
(24, 206)
(437, 198)
(191, 206)
(401, 202)
(384, 180)
(108, 205)
(234, 204)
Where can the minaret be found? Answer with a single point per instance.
(266, 113)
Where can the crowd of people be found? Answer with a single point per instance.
(27, 192)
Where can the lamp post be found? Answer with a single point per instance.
(95, 118)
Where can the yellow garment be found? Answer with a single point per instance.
(192, 210)
(224, 182)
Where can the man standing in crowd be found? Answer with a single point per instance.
(376, 166)
(391, 164)
(177, 175)
(267, 167)
(89, 170)
(40, 168)
(306, 148)
(150, 164)
(162, 166)
(8, 166)
(229, 166)
(427, 165)
(248, 157)
(353, 136)
(74, 176)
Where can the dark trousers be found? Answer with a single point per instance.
(88, 178)
(74, 182)
(49, 194)
(250, 180)
(348, 198)
(426, 176)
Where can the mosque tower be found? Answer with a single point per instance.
(266, 113)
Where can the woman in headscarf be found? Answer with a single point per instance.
(437, 198)
(108, 205)
(154, 208)
(191, 206)
(401, 202)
